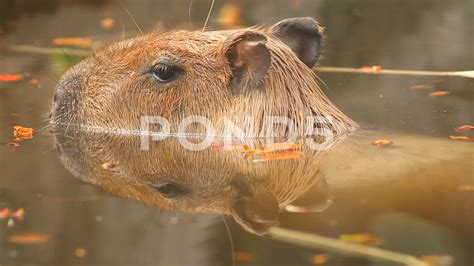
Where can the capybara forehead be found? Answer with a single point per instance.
(186, 45)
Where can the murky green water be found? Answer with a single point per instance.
(415, 197)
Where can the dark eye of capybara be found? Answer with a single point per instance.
(170, 189)
(165, 73)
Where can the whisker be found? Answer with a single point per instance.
(189, 13)
(68, 59)
(53, 79)
(131, 17)
(230, 238)
(208, 16)
(152, 222)
(68, 124)
(123, 29)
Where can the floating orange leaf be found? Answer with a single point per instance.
(236, 147)
(319, 259)
(465, 138)
(10, 77)
(34, 81)
(107, 23)
(465, 188)
(83, 42)
(22, 133)
(242, 256)
(464, 128)
(372, 69)
(421, 87)
(362, 238)
(18, 214)
(28, 238)
(282, 146)
(439, 93)
(230, 16)
(275, 156)
(112, 165)
(382, 142)
(4, 213)
(249, 150)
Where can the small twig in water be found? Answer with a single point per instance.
(321, 242)
(464, 74)
(49, 50)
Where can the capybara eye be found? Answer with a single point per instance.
(170, 189)
(165, 73)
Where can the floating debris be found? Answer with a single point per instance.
(14, 144)
(421, 87)
(275, 147)
(80, 252)
(10, 223)
(319, 259)
(249, 150)
(77, 41)
(10, 77)
(28, 238)
(439, 93)
(465, 138)
(245, 257)
(229, 147)
(464, 128)
(277, 156)
(230, 16)
(382, 142)
(4, 213)
(19, 214)
(283, 146)
(372, 69)
(362, 238)
(22, 133)
(107, 23)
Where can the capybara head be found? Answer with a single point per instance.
(236, 74)
(251, 72)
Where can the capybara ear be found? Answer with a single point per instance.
(303, 35)
(248, 59)
(256, 211)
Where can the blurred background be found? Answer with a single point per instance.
(67, 222)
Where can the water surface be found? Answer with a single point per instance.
(408, 195)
